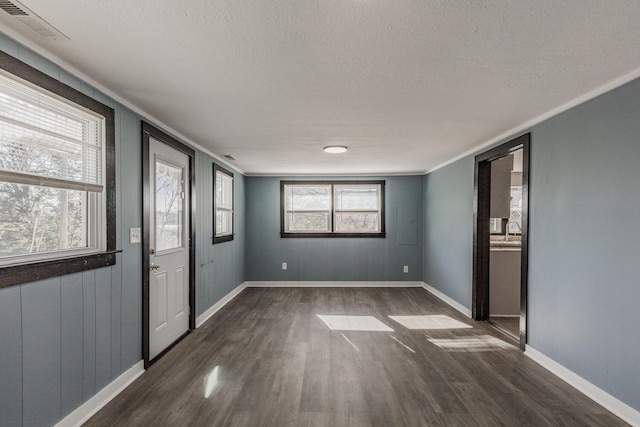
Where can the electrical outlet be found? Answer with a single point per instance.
(134, 235)
(284, 265)
(405, 269)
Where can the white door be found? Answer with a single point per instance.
(168, 246)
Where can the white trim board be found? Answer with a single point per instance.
(217, 306)
(447, 299)
(101, 398)
(616, 406)
(336, 284)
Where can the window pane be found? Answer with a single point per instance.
(224, 223)
(308, 222)
(357, 197)
(357, 222)
(308, 198)
(44, 136)
(41, 219)
(168, 207)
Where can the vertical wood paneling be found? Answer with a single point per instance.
(41, 352)
(103, 327)
(334, 259)
(89, 334)
(116, 315)
(72, 347)
(10, 356)
(408, 221)
(131, 282)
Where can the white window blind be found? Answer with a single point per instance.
(48, 142)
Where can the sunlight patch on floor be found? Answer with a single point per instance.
(210, 381)
(354, 323)
(436, 321)
(472, 343)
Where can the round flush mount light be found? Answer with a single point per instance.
(335, 149)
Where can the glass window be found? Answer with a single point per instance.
(52, 196)
(223, 205)
(169, 207)
(332, 209)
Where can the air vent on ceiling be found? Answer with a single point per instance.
(22, 14)
(229, 157)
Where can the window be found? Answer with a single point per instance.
(57, 173)
(223, 205)
(332, 209)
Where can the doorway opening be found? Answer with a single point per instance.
(500, 241)
(168, 242)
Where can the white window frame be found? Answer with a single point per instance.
(377, 187)
(101, 247)
(286, 210)
(94, 192)
(227, 177)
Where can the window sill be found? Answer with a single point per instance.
(223, 239)
(332, 235)
(39, 270)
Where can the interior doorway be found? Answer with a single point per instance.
(500, 241)
(168, 242)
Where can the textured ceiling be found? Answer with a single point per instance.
(406, 85)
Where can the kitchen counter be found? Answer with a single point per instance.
(498, 243)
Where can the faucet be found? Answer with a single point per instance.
(506, 234)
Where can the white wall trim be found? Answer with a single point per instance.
(217, 306)
(600, 90)
(104, 396)
(619, 408)
(336, 284)
(68, 68)
(447, 299)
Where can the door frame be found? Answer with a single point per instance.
(147, 132)
(481, 239)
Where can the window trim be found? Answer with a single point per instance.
(225, 237)
(333, 233)
(15, 274)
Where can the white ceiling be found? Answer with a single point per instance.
(407, 85)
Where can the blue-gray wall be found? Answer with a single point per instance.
(220, 268)
(63, 339)
(335, 259)
(584, 262)
(448, 230)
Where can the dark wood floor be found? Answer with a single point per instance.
(266, 359)
(511, 325)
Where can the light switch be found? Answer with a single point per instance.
(134, 235)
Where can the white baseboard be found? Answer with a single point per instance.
(619, 408)
(336, 284)
(217, 306)
(104, 396)
(453, 303)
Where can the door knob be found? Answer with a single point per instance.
(154, 266)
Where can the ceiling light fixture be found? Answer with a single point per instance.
(335, 149)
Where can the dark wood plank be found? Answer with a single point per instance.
(267, 359)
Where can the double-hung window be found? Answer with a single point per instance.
(53, 197)
(332, 209)
(223, 204)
